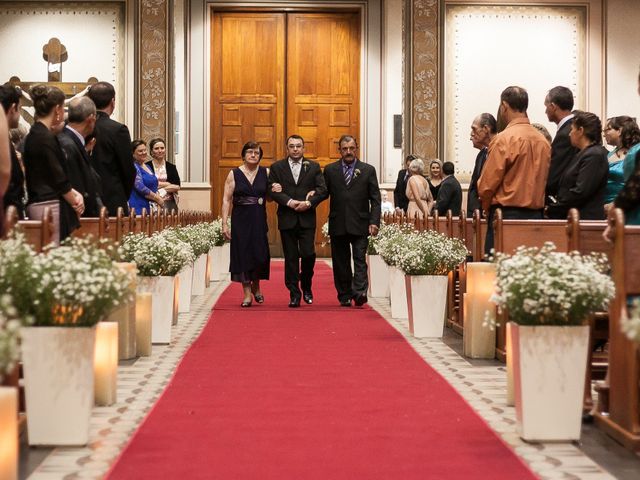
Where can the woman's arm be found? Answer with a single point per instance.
(227, 196)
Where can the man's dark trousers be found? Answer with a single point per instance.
(299, 258)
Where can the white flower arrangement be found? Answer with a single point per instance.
(631, 325)
(9, 335)
(197, 236)
(430, 253)
(78, 285)
(17, 274)
(157, 255)
(325, 233)
(391, 241)
(540, 286)
(215, 233)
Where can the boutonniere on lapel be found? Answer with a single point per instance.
(305, 166)
(356, 172)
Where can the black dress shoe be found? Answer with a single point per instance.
(258, 297)
(360, 300)
(294, 302)
(308, 297)
(345, 303)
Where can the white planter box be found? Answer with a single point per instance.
(378, 276)
(427, 304)
(217, 266)
(549, 366)
(163, 305)
(398, 293)
(59, 377)
(185, 277)
(198, 280)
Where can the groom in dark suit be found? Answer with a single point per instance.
(354, 214)
(297, 185)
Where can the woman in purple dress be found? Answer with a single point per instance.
(246, 189)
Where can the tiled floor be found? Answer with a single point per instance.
(481, 383)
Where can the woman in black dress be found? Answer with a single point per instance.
(246, 188)
(45, 164)
(435, 177)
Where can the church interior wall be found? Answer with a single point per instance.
(611, 42)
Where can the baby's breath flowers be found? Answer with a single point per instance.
(430, 253)
(391, 241)
(541, 286)
(157, 255)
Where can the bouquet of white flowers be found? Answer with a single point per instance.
(631, 325)
(9, 335)
(430, 253)
(540, 286)
(156, 255)
(391, 241)
(197, 236)
(78, 285)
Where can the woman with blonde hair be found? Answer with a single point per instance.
(435, 177)
(418, 192)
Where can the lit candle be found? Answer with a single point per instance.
(125, 315)
(479, 341)
(8, 433)
(143, 324)
(106, 363)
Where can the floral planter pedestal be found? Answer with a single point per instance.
(219, 258)
(426, 304)
(59, 382)
(185, 278)
(378, 277)
(549, 367)
(398, 293)
(164, 305)
(199, 271)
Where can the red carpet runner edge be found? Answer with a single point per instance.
(319, 392)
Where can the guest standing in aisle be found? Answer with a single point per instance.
(246, 188)
(112, 153)
(299, 188)
(354, 214)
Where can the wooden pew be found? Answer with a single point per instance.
(618, 411)
(95, 227)
(585, 236)
(479, 230)
(511, 234)
(38, 233)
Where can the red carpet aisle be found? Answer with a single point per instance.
(321, 392)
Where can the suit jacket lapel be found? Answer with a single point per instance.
(303, 171)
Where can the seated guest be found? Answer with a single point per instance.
(145, 187)
(435, 177)
(15, 193)
(400, 192)
(583, 183)
(623, 134)
(167, 173)
(418, 193)
(48, 183)
(83, 178)
(450, 192)
(386, 206)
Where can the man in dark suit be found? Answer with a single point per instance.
(400, 199)
(301, 189)
(558, 106)
(15, 194)
(483, 129)
(81, 123)
(112, 157)
(354, 214)
(450, 192)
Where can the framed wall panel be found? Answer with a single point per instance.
(489, 47)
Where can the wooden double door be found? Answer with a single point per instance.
(275, 74)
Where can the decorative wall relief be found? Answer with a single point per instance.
(424, 79)
(490, 47)
(153, 37)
